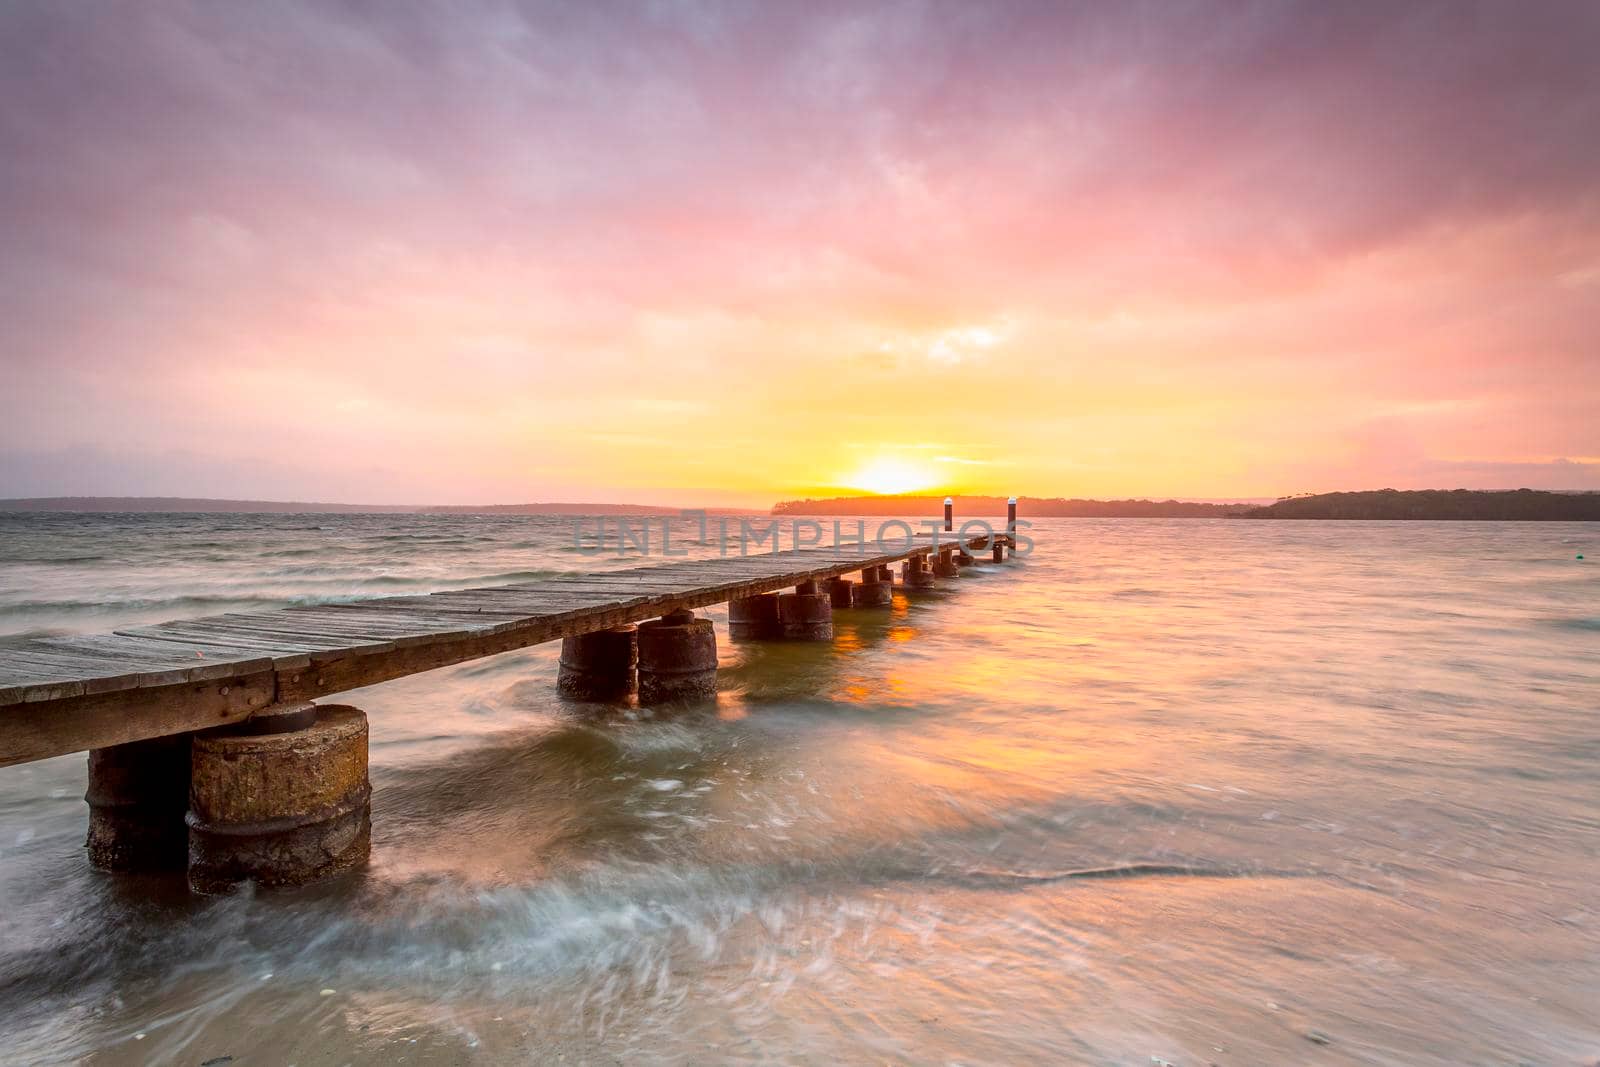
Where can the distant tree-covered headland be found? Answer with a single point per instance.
(1460, 504)
(977, 507)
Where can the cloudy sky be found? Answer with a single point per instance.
(703, 253)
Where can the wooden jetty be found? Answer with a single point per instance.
(278, 789)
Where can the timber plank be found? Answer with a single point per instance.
(622, 586)
(482, 603)
(98, 673)
(208, 630)
(510, 594)
(230, 644)
(31, 670)
(350, 636)
(352, 643)
(620, 592)
(530, 607)
(226, 654)
(445, 619)
(211, 666)
(343, 624)
(512, 599)
(288, 645)
(100, 687)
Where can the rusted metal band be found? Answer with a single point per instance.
(357, 799)
(279, 719)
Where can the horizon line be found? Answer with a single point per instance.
(11, 504)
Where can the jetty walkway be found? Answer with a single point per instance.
(207, 751)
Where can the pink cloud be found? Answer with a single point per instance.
(326, 241)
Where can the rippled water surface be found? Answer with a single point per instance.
(1188, 792)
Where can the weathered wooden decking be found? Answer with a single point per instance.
(68, 694)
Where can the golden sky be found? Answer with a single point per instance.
(728, 254)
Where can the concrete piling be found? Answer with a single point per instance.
(839, 592)
(677, 659)
(874, 590)
(806, 614)
(600, 666)
(914, 573)
(754, 618)
(280, 809)
(138, 795)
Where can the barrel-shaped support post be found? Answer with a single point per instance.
(999, 550)
(944, 564)
(754, 618)
(806, 614)
(873, 591)
(840, 592)
(601, 666)
(915, 573)
(282, 808)
(138, 795)
(677, 659)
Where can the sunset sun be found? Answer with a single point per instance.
(887, 476)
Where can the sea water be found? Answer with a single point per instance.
(1187, 792)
